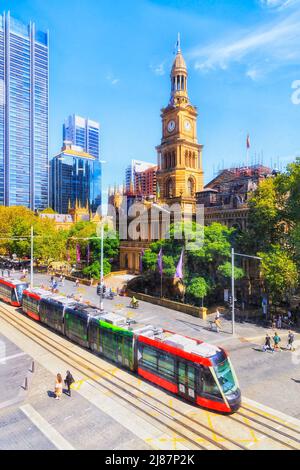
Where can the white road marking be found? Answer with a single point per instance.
(3, 360)
(54, 436)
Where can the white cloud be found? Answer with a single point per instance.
(253, 74)
(158, 69)
(112, 79)
(265, 48)
(278, 4)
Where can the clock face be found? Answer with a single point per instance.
(187, 125)
(171, 126)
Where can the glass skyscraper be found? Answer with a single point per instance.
(75, 179)
(84, 133)
(24, 95)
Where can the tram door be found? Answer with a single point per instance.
(187, 381)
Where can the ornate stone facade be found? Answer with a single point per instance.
(226, 197)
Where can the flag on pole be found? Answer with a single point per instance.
(160, 262)
(248, 142)
(78, 256)
(179, 270)
(141, 260)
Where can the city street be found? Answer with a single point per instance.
(113, 409)
(271, 379)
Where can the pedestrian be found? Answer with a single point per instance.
(58, 387)
(77, 283)
(279, 322)
(63, 281)
(267, 346)
(69, 380)
(277, 341)
(80, 298)
(218, 324)
(291, 339)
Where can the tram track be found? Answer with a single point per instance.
(188, 433)
(188, 428)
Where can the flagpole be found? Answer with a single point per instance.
(161, 286)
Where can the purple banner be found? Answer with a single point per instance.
(78, 255)
(160, 262)
(179, 270)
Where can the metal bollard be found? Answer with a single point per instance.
(32, 367)
(26, 384)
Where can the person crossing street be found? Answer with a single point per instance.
(277, 341)
(291, 339)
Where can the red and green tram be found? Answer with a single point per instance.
(11, 291)
(196, 371)
(31, 302)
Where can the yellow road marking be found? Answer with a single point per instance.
(214, 436)
(269, 415)
(252, 433)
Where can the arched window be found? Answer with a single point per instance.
(169, 188)
(191, 187)
(186, 158)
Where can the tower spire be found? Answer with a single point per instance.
(179, 77)
(178, 45)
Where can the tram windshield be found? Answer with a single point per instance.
(225, 377)
(20, 289)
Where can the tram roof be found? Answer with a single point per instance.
(39, 292)
(15, 282)
(183, 343)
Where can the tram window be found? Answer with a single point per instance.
(225, 377)
(166, 366)
(182, 372)
(150, 358)
(210, 386)
(20, 289)
(14, 296)
(191, 377)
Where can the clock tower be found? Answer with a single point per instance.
(180, 173)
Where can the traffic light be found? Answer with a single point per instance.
(101, 289)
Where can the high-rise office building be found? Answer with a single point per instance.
(136, 166)
(24, 95)
(84, 133)
(75, 179)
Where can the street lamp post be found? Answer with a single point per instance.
(233, 254)
(102, 251)
(101, 267)
(31, 259)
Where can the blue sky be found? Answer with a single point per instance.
(110, 61)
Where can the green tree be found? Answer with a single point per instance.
(93, 271)
(197, 289)
(279, 273)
